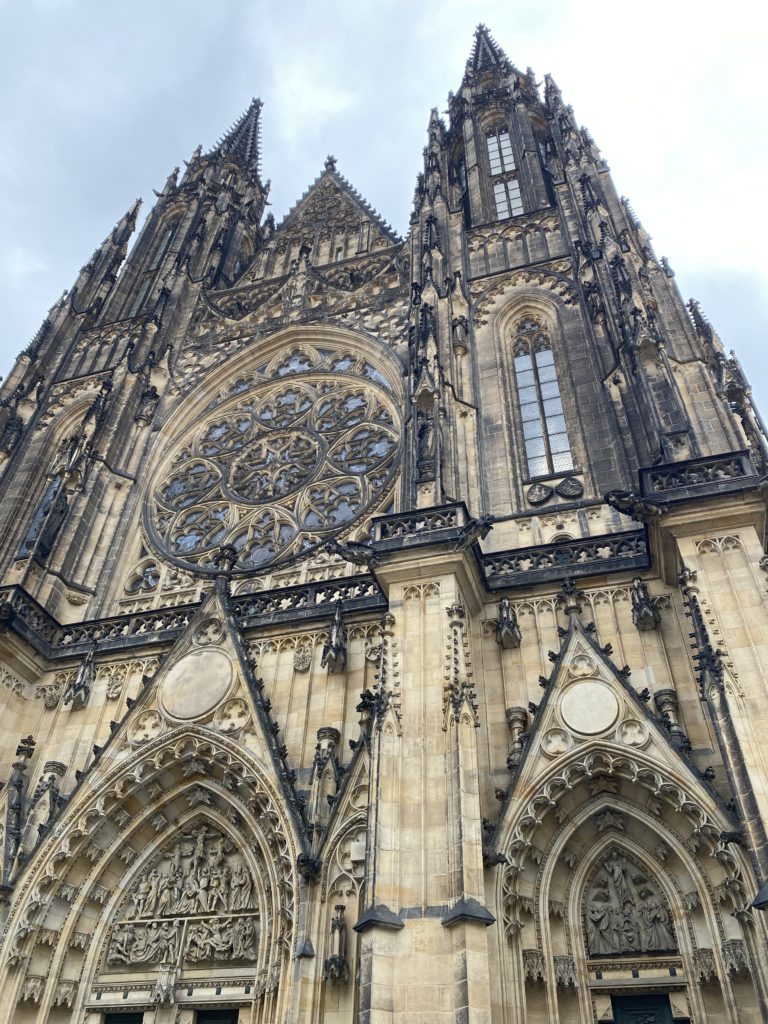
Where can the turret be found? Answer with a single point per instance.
(498, 129)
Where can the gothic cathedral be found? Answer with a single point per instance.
(383, 621)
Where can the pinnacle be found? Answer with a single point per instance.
(486, 52)
(241, 142)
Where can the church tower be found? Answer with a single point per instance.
(382, 619)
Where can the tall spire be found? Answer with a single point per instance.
(486, 52)
(241, 142)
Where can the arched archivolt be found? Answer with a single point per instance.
(190, 807)
(587, 803)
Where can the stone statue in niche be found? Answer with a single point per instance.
(426, 442)
(645, 612)
(335, 649)
(507, 629)
(171, 906)
(624, 912)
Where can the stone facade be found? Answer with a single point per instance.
(383, 620)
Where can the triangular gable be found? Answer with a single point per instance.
(205, 682)
(332, 196)
(589, 707)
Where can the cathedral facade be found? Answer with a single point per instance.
(383, 620)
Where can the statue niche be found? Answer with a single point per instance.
(194, 904)
(624, 912)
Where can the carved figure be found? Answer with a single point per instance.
(507, 630)
(425, 442)
(460, 334)
(335, 649)
(242, 887)
(624, 913)
(645, 613)
(79, 689)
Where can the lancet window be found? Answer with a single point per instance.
(545, 436)
(162, 247)
(507, 196)
(146, 281)
(46, 520)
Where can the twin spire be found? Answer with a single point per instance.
(242, 143)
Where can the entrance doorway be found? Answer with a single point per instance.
(641, 1010)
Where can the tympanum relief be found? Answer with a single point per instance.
(194, 905)
(624, 912)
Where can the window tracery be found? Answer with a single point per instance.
(545, 435)
(503, 171)
(277, 468)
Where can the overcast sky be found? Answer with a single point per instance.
(99, 99)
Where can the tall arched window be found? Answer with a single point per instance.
(46, 520)
(504, 181)
(547, 449)
(147, 280)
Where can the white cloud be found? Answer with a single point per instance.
(107, 98)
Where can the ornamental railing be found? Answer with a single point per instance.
(710, 475)
(311, 601)
(545, 563)
(423, 525)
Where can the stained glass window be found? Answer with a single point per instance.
(277, 472)
(547, 448)
(507, 196)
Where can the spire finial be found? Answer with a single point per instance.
(242, 142)
(486, 52)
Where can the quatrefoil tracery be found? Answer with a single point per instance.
(276, 473)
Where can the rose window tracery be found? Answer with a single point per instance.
(275, 472)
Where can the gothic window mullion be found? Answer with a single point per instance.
(545, 436)
(505, 184)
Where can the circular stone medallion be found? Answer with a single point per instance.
(589, 707)
(196, 684)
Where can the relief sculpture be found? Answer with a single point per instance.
(624, 912)
(170, 906)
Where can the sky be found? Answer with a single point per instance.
(99, 101)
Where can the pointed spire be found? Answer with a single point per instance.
(242, 141)
(126, 225)
(486, 52)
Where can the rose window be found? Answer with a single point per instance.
(276, 472)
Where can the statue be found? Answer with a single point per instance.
(460, 331)
(79, 690)
(645, 613)
(335, 650)
(508, 633)
(12, 431)
(148, 403)
(425, 444)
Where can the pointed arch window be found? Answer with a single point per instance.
(46, 520)
(507, 196)
(545, 436)
(145, 283)
(163, 246)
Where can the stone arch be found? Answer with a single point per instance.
(580, 808)
(500, 406)
(343, 358)
(115, 828)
